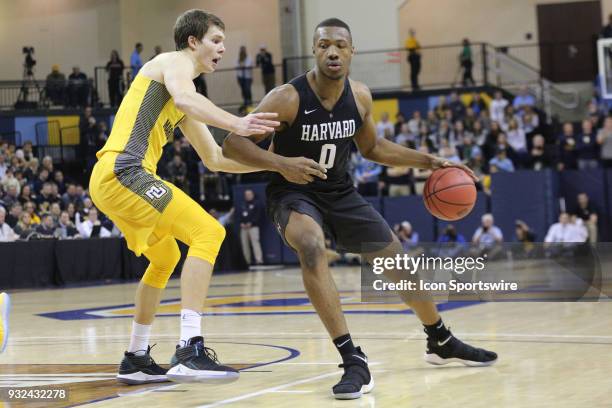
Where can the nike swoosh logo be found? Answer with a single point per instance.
(343, 343)
(445, 341)
(365, 360)
(440, 326)
(308, 112)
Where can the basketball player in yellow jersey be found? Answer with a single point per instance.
(153, 213)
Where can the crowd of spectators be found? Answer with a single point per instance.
(498, 136)
(36, 201)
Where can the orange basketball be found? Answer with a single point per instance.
(449, 194)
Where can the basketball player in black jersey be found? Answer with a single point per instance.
(321, 113)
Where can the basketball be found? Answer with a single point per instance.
(449, 194)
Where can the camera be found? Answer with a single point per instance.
(29, 62)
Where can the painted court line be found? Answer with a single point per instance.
(269, 390)
(311, 335)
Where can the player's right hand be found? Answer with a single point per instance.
(301, 170)
(256, 124)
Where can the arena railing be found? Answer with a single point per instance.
(34, 94)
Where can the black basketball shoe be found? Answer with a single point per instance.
(356, 379)
(195, 363)
(140, 369)
(453, 350)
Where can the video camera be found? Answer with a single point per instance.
(29, 60)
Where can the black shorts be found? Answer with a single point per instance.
(344, 215)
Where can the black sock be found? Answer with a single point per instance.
(437, 330)
(344, 344)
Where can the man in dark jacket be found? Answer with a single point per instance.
(251, 216)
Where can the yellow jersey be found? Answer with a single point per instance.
(144, 123)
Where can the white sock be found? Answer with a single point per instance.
(140, 338)
(191, 323)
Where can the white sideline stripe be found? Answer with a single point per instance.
(405, 335)
(269, 390)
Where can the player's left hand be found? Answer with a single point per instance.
(438, 163)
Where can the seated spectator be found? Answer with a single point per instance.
(400, 119)
(55, 211)
(30, 208)
(477, 163)
(509, 115)
(14, 213)
(91, 227)
(87, 205)
(488, 237)
(415, 123)
(55, 86)
(587, 148)
(26, 195)
(567, 148)
(408, 237)
(477, 104)
(467, 149)
(24, 227)
(405, 137)
(47, 163)
(498, 107)
(10, 180)
(566, 231)
(432, 121)
(65, 228)
(399, 180)
(3, 165)
(43, 177)
(587, 212)
(480, 133)
(516, 137)
(441, 107)
(531, 121)
(71, 196)
(540, 157)
(604, 139)
(454, 243)
(523, 99)
(384, 128)
(501, 161)
(444, 132)
(469, 119)
(526, 238)
(10, 197)
(58, 178)
(448, 151)
(456, 106)
(78, 88)
(47, 195)
(177, 172)
(46, 229)
(366, 175)
(6, 232)
(458, 133)
(426, 137)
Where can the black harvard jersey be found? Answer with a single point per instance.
(321, 135)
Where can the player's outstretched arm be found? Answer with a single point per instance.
(209, 151)
(387, 153)
(284, 101)
(177, 78)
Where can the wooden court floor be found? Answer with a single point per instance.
(551, 354)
